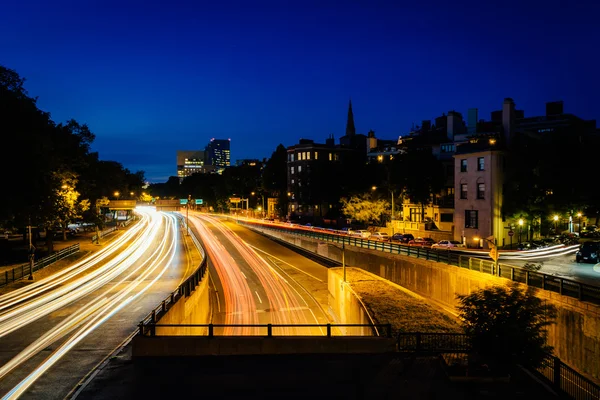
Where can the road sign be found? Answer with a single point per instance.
(511, 232)
(235, 199)
(183, 201)
(494, 253)
(199, 201)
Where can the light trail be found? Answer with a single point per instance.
(286, 304)
(131, 273)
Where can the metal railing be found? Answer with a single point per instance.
(149, 329)
(565, 287)
(103, 233)
(563, 379)
(25, 270)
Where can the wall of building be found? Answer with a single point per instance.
(575, 336)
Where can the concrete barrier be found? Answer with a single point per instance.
(575, 336)
(190, 346)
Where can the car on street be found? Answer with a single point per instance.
(382, 236)
(401, 237)
(588, 252)
(447, 244)
(424, 242)
(361, 233)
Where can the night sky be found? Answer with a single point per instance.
(150, 78)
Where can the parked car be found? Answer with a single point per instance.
(425, 242)
(361, 233)
(588, 252)
(383, 236)
(402, 237)
(447, 244)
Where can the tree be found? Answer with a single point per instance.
(364, 208)
(506, 326)
(67, 206)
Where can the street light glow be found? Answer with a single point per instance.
(374, 188)
(521, 221)
(579, 214)
(556, 217)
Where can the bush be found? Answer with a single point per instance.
(506, 326)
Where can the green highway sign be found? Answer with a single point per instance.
(183, 201)
(199, 201)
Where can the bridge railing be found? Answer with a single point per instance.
(564, 379)
(25, 270)
(563, 286)
(267, 330)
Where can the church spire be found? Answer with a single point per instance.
(350, 129)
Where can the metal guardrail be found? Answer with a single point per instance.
(565, 287)
(149, 329)
(25, 270)
(103, 233)
(564, 379)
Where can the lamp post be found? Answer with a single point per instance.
(579, 223)
(187, 210)
(555, 218)
(520, 228)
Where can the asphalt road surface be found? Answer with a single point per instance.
(258, 281)
(55, 330)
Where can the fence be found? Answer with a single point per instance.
(564, 379)
(149, 329)
(565, 287)
(25, 270)
(103, 233)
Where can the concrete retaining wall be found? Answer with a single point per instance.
(575, 336)
(194, 309)
(345, 306)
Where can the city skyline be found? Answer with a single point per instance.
(154, 79)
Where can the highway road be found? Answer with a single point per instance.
(55, 330)
(258, 281)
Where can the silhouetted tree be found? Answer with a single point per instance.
(506, 326)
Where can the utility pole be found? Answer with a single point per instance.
(187, 211)
(344, 259)
(31, 253)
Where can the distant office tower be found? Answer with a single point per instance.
(218, 154)
(189, 162)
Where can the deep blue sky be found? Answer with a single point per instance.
(152, 77)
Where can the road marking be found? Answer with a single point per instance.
(285, 262)
(257, 295)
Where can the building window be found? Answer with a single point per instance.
(463, 190)
(292, 170)
(299, 168)
(316, 155)
(447, 148)
(472, 219)
(446, 217)
(480, 164)
(330, 157)
(463, 165)
(308, 155)
(415, 215)
(481, 191)
(292, 156)
(450, 191)
(292, 181)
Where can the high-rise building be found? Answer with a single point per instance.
(189, 162)
(218, 154)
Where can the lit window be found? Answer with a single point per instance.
(292, 181)
(308, 155)
(463, 165)
(481, 191)
(463, 190)
(316, 155)
(299, 168)
(292, 170)
(330, 157)
(480, 164)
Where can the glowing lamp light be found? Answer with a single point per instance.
(374, 188)
(521, 221)
(555, 218)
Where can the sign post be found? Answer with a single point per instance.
(511, 233)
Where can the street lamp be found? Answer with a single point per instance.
(555, 218)
(579, 223)
(117, 195)
(520, 228)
